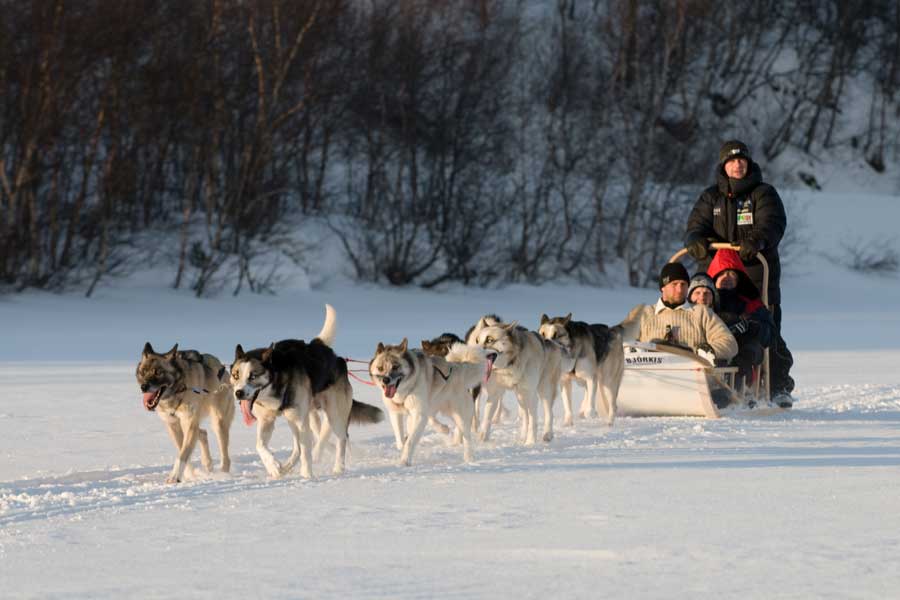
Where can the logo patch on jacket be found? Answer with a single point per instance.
(745, 212)
(717, 211)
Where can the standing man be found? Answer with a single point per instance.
(743, 210)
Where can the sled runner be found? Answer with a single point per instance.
(667, 380)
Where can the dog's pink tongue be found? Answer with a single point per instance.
(488, 367)
(245, 410)
(390, 390)
(148, 398)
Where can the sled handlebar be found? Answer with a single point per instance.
(764, 292)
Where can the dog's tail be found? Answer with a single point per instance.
(362, 413)
(329, 329)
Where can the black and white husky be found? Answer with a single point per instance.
(599, 364)
(293, 378)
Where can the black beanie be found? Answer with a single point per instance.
(733, 149)
(673, 271)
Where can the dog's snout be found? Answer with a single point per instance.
(386, 380)
(239, 394)
(145, 387)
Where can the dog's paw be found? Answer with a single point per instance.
(172, 479)
(483, 436)
(568, 422)
(548, 436)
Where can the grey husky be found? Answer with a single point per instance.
(294, 379)
(418, 385)
(528, 365)
(183, 388)
(599, 363)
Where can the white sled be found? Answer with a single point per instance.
(664, 381)
(670, 381)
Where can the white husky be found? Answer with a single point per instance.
(528, 365)
(418, 385)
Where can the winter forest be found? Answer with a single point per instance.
(471, 141)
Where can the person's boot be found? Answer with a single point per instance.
(783, 399)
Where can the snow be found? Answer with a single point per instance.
(795, 505)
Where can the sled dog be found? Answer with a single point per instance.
(471, 339)
(183, 387)
(418, 385)
(528, 365)
(293, 378)
(599, 363)
(440, 346)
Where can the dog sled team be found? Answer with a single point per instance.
(710, 320)
(307, 383)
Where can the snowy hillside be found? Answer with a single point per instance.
(799, 505)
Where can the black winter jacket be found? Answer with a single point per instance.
(737, 209)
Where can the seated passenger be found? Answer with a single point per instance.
(742, 310)
(675, 321)
(703, 291)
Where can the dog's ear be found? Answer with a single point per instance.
(404, 345)
(171, 354)
(482, 323)
(511, 326)
(267, 353)
(544, 318)
(567, 319)
(426, 345)
(148, 350)
(380, 348)
(238, 352)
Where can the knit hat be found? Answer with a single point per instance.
(673, 271)
(733, 149)
(700, 280)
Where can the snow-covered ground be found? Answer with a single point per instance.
(798, 505)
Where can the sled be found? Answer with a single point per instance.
(664, 380)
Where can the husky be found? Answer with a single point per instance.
(471, 339)
(293, 378)
(418, 385)
(599, 363)
(527, 364)
(440, 346)
(183, 387)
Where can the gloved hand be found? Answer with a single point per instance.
(740, 326)
(749, 248)
(698, 249)
(706, 352)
